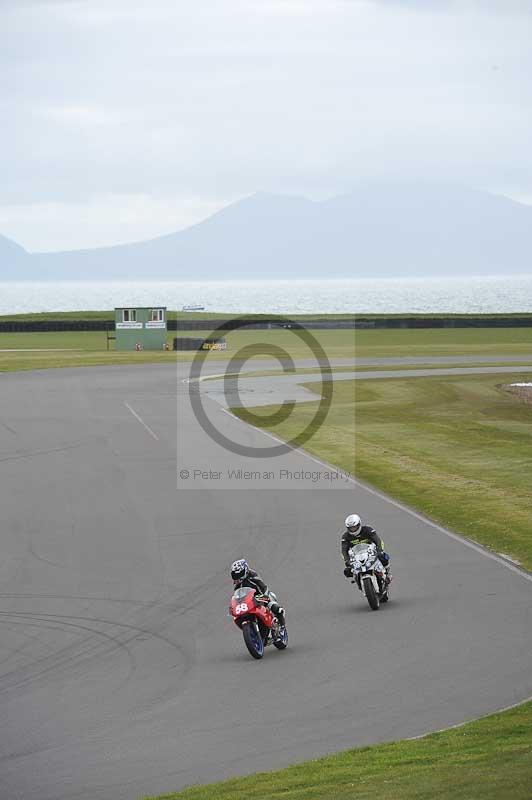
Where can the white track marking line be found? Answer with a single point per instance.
(154, 435)
(457, 538)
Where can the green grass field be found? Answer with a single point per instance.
(457, 448)
(337, 344)
(443, 342)
(490, 759)
(89, 348)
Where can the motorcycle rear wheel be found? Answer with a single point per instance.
(371, 595)
(253, 639)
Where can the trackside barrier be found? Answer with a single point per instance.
(188, 343)
(359, 323)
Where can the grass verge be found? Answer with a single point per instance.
(88, 348)
(457, 448)
(492, 342)
(490, 759)
(443, 342)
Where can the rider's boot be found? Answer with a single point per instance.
(389, 576)
(279, 613)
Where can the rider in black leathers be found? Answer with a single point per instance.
(356, 533)
(242, 575)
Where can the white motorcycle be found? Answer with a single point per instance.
(369, 574)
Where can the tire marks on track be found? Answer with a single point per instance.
(64, 659)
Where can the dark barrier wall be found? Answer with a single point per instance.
(230, 324)
(186, 343)
(444, 322)
(32, 326)
(360, 322)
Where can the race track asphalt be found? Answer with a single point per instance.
(120, 673)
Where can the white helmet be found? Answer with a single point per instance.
(239, 569)
(353, 521)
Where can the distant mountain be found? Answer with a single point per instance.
(14, 260)
(388, 230)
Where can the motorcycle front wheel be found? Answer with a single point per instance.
(253, 639)
(371, 595)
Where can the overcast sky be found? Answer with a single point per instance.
(123, 120)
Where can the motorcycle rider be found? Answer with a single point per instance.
(242, 575)
(356, 533)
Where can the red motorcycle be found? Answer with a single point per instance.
(259, 626)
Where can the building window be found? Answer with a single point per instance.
(157, 315)
(129, 314)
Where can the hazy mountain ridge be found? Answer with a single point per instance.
(390, 230)
(14, 260)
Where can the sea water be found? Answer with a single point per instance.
(393, 296)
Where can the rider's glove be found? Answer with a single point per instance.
(384, 558)
(348, 572)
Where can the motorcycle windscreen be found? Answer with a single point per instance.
(360, 548)
(242, 593)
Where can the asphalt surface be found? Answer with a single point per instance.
(250, 390)
(120, 674)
